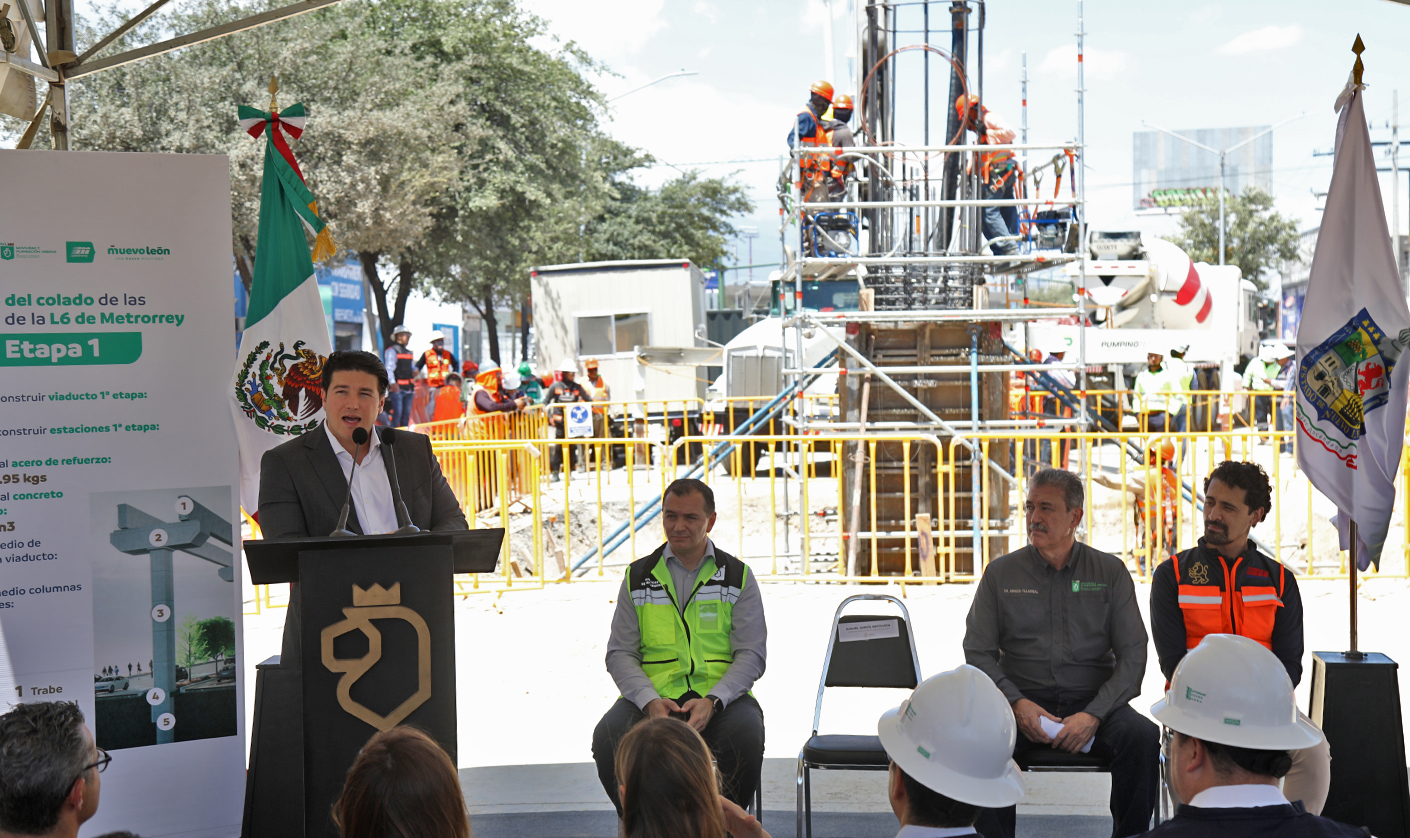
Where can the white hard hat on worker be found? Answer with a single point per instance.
(1231, 690)
(567, 365)
(955, 736)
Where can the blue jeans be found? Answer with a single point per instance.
(401, 406)
(1286, 423)
(1000, 221)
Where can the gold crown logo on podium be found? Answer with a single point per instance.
(376, 595)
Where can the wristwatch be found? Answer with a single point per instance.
(716, 705)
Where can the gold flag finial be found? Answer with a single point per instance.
(274, 88)
(1358, 67)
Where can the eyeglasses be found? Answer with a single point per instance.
(101, 764)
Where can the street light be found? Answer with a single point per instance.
(1223, 159)
(648, 84)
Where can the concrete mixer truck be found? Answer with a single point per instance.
(1146, 295)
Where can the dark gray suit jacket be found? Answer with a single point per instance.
(301, 492)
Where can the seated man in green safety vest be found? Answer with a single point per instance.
(688, 640)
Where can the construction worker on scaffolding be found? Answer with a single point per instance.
(839, 136)
(1235, 725)
(1226, 585)
(998, 171)
(811, 132)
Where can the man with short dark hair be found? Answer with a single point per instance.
(304, 481)
(950, 745)
(1057, 627)
(1224, 585)
(1235, 722)
(688, 640)
(49, 769)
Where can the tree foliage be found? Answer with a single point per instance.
(1257, 237)
(452, 144)
(218, 636)
(190, 643)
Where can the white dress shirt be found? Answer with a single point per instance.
(913, 831)
(371, 489)
(1243, 796)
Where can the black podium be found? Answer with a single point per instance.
(1356, 702)
(378, 650)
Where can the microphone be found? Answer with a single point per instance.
(359, 436)
(389, 439)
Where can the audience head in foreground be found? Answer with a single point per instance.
(1232, 709)
(667, 783)
(951, 750)
(49, 767)
(402, 785)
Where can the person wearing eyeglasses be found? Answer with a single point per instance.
(49, 770)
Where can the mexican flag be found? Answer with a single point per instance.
(1350, 380)
(279, 367)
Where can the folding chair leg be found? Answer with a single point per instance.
(807, 802)
(798, 831)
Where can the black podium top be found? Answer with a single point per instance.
(1367, 658)
(275, 560)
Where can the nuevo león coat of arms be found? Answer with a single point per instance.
(1348, 374)
(280, 390)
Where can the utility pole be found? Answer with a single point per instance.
(1223, 166)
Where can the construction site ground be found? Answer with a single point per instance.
(532, 685)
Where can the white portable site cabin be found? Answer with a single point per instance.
(606, 310)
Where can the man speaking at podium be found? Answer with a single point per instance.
(304, 483)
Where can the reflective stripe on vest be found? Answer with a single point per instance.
(811, 164)
(438, 366)
(1213, 608)
(690, 652)
(405, 370)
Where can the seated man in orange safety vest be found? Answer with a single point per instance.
(1226, 586)
(488, 395)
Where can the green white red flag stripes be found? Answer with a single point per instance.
(1351, 382)
(278, 370)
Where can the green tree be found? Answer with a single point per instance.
(688, 217)
(1257, 237)
(190, 643)
(218, 637)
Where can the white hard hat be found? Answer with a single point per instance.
(435, 336)
(488, 366)
(1182, 348)
(511, 380)
(955, 736)
(568, 365)
(400, 330)
(1231, 690)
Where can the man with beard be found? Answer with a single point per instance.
(1057, 627)
(1226, 586)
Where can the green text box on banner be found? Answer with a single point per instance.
(70, 348)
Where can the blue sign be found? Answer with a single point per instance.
(712, 280)
(343, 286)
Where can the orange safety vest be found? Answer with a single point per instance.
(813, 165)
(448, 405)
(1224, 599)
(438, 366)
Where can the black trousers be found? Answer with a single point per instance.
(735, 737)
(1131, 742)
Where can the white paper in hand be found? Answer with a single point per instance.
(1053, 728)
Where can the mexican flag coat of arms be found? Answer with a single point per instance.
(1351, 376)
(276, 390)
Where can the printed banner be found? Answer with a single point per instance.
(120, 570)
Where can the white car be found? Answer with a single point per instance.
(110, 684)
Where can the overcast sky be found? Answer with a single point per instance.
(1181, 66)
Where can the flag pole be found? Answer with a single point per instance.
(1353, 654)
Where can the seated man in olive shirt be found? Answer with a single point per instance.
(1056, 625)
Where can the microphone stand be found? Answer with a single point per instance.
(389, 438)
(359, 437)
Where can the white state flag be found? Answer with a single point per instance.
(1351, 388)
